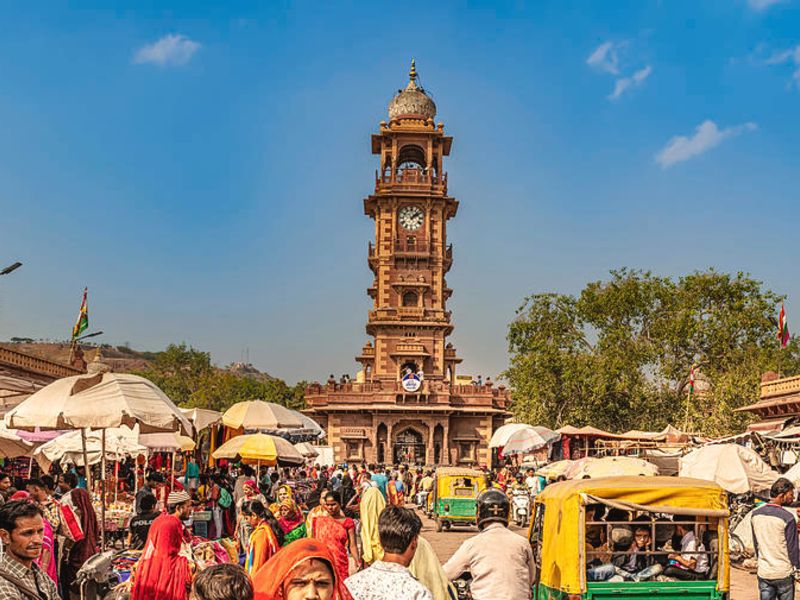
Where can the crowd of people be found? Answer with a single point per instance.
(329, 533)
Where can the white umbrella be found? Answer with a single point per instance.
(735, 468)
(259, 415)
(11, 445)
(202, 417)
(307, 450)
(100, 401)
(69, 447)
(529, 439)
(502, 433)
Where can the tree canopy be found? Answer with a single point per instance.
(619, 354)
(189, 378)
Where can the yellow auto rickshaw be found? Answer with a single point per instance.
(579, 527)
(455, 491)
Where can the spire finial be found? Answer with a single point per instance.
(413, 72)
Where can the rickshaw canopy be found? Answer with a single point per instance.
(563, 529)
(447, 476)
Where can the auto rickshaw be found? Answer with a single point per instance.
(453, 501)
(560, 533)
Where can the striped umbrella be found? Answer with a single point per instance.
(259, 448)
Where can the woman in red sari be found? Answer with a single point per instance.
(338, 532)
(300, 570)
(162, 574)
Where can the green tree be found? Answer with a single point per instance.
(619, 354)
(187, 376)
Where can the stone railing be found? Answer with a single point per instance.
(780, 387)
(36, 364)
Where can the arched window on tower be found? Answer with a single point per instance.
(411, 164)
(410, 299)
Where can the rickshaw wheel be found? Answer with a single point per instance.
(447, 525)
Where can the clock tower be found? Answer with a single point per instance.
(405, 405)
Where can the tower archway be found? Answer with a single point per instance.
(408, 447)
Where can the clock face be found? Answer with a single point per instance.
(411, 218)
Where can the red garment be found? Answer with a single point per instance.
(269, 579)
(162, 574)
(86, 548)
(335, 535)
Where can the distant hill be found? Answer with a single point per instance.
(121, 359)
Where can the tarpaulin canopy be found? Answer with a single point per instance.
(736, 468)
(99, 401)
(555, 469)
(611, 466)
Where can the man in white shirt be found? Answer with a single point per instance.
(776, 543)
(691, 563)
(499, 560)
(389, 578)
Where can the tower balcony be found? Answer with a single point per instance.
(411, 180)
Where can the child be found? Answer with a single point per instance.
(222, 582)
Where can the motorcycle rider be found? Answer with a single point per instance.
(500, 561)
(518, 484)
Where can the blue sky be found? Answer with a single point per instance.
(201, 166)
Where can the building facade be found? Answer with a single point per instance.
(406, 405)
(22, 374)
(778, 404)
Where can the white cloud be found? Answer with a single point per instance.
(624, 83)
(172, 50)
(605, 58)
(706, 136)
(762, 4)
(790, 56)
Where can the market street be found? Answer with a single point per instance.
(743, 584)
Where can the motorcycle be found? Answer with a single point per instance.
(95, 578)
(462, 586)
(520, 507)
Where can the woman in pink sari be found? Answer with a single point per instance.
(338, 533)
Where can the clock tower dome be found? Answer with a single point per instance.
(406, 405)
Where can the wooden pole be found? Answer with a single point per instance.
(103, 490)
(86, 462)
(172, 471)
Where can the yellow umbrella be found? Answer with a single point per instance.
(259, 448)
(257, 414)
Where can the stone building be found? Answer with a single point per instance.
(23, 374)
(406, 405)
(778, 403)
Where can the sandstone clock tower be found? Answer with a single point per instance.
(405, 405)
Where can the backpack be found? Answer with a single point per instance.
(225, 499)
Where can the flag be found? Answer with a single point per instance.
(82, 324)
(783, 328)
(691, 381)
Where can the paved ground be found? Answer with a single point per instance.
(743, 584)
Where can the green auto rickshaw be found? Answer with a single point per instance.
(455, 491)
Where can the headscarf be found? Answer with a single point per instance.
(372, 504)
(293, 520)
(269, 579)
(87, 547)
(427, 569)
